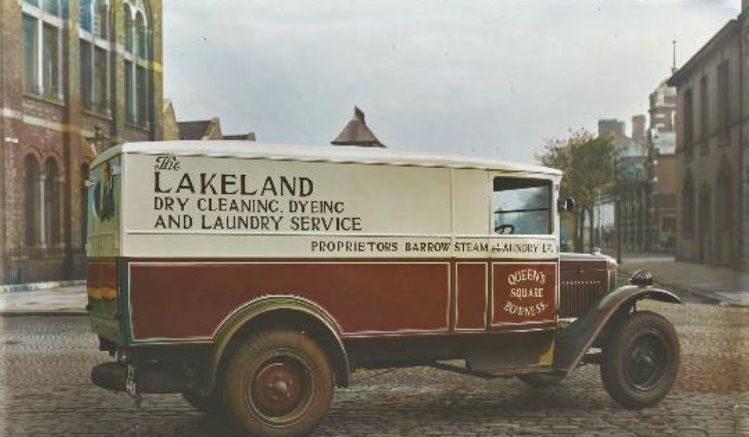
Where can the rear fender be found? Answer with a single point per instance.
(574, 341)
(266, 305)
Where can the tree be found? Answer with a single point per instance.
(587, 162)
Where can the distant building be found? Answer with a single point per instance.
(196, 130)
(712, 135)
(634, 223)
(661, 166)
(76, 76)
(357, 133)
(200, 129)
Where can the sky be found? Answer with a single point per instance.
(491, 78)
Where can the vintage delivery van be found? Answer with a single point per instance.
(253, 278)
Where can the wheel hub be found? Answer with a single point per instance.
(646, 361)
(277, 389)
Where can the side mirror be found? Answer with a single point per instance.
(567, 204)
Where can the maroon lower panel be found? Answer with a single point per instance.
(185, 300)
(472, 297)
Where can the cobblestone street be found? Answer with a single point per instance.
(46, 392)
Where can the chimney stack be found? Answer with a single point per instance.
(638, 128)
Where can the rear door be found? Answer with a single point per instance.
(102, 247)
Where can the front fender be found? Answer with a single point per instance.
(574, 341)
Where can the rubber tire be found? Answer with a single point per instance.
(210, 404)
(541, 380)
(613, 373)
(260, 349)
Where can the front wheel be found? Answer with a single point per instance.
(640, 360)
(278, 383)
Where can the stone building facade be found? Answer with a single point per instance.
(75, 77)
(712, 136)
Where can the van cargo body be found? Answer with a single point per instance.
(281, 269)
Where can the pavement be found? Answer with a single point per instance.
(694, 282)
(46, 391)
(60, 300)
(709, 284)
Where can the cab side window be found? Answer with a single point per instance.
(521, 206)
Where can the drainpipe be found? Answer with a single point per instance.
(742, 172)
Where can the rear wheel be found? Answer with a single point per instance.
(278, 383)
(640, 360)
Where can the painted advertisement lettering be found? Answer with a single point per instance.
(243, 201)
(524, 292)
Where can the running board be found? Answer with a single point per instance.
(464, 371)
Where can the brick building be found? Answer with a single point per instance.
(712, 137)
(68, 69)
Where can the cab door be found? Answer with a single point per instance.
(523, 253)
(518, 276)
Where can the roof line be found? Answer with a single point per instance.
(333, 154)
(724, 32)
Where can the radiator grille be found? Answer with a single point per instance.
(578, 297)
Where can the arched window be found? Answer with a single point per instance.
(724, 199)
(31, 201)
(687, 207)
(52, 203)
(85, 174)
(42, 37)
(95, 54)
(137, 65)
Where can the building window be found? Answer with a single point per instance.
(51, 6)
(95, 55)
(687, 207)
(31, 54)
(723, 98)
(52, 203)
(86, 74)
(42, 33)
(31, 201)
(724, 199)
(101, 19)
(688, 128)
(668, 224)
(141, 94)
(704, 112)
(136, 62)
(51, 60)
(129, 97)
(85, 15)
